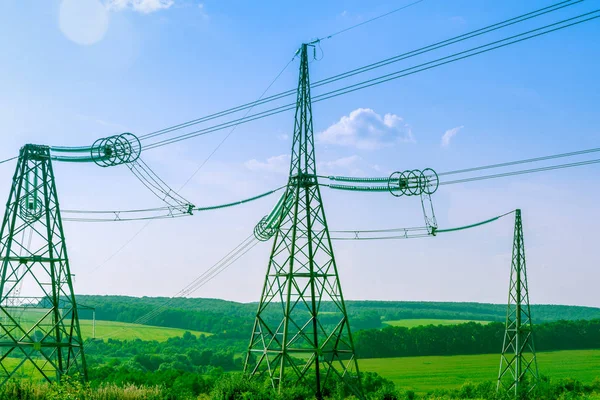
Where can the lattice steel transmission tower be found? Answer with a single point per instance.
(518, 363)
(301, 331)
(39, 325)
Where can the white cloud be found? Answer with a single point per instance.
(351, 164)
(367, 130)
(344, 162)
(449, 134)
(278, 164)
(143, 6)
(281, 165)
(283, 136)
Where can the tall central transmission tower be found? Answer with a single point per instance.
(518, 363)
(301, 331)
(39, 325)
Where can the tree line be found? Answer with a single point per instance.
(471, 338)
(235, 319)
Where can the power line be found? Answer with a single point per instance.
(391, 76)
(165, 212)
(527, 160)
(149, 219)
(235, 126)
(225, 262)
(170, 211)
(370, 20)
(447, 42)
(472, 179)
(113, 255)
(383, 179)
(244, 247)
(9, 159)
(521, 172)
(453, 58)
(419, 51)
(407, 235)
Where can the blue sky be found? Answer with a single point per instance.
(73, 71)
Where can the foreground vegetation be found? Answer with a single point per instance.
(235, 386)
(148, 377)
(406, 351)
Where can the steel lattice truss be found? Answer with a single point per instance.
(301, 331)
(518, 363)
(39, 326)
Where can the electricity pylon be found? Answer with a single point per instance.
(518, 363)
(301, 331)
(39, 325)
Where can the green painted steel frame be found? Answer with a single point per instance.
(518, 363)
(51, 345)
(301, 331)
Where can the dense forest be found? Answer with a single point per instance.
(471, 338)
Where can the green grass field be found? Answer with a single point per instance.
(423, 374)
(113, 329)
(411, 323)
(125, 331)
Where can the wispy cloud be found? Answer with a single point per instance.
(280, 165)
(344, 162)
(349, 165)
(143, 6)
(276, 164)
(364, 129)
(449, 134)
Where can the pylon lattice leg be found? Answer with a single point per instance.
(39, 325)
(301, 331)
(518, 363)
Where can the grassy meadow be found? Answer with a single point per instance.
(422, 374)
(126, 331)
(111, 329)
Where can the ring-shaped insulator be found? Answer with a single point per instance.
(123, 148)
(422, 182)
(412, 180)
(393, 188)
(113, 149)
(403, 182)
(116, 150)
(262, 231)
(31, 208)
(134, 146)
(97, 152)
(432, 181)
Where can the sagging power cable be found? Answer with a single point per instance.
(546, 29)
(369, 67)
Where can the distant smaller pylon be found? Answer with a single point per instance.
(518, 363)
